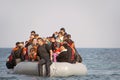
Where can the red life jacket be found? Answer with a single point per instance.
(10, 57)
(57, 50)
(73, 52)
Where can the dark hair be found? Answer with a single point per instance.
(40, 39)
(65, 45)
(17, 43)
(26, 41)
(36, 35)
(22, 42)
(60, 33)
(68, 36)
(32, 35)
(33, 32)
(33, 39)
(62, 29)
(69, 41)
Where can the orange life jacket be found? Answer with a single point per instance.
(16, 48)
(33, 56)
(35, 48)
(57, 50)
(24, 51)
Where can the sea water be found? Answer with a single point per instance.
(102, 64)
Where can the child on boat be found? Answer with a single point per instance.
(33, 55)
(55, 54)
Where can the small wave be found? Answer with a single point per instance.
(8, 78)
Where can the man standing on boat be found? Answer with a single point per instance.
(44, 53)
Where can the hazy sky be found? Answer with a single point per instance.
(92, 23)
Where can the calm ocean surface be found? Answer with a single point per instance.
(102, 64)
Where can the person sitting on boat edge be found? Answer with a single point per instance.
(10, 63)
(20, 53)
(75, 57)
(44, 55)
(17, 55)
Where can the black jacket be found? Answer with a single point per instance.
(43, 51)
(62, 57)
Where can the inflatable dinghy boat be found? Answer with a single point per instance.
(57, 69)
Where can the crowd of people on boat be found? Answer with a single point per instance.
(57, 48)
